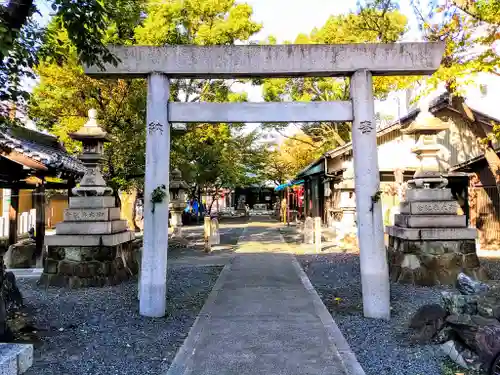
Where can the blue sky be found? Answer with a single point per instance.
(287, 18)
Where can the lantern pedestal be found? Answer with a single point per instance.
(92, 246)
(176, 210)
(177, 189)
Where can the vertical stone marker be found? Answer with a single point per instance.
(317, 234)
(373, 257)
(207, 229)
(153, 280)
(309, 230)
(214, 232)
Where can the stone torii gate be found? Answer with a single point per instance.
(358, 61)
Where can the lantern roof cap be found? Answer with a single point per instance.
(91, 130)
(176, 181)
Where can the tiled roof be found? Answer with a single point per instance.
(41, 147)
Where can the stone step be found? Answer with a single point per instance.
(429, 208)
(91, 214)
(430, 221)
(15, 359)
(415, 195)
(89, 239)
(91, 227)
(92, 202)
(432, 233)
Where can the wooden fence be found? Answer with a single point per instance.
(487, 214)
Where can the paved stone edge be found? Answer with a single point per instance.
(335, 336)
(26, 273)
(15, 358)
(183, 359)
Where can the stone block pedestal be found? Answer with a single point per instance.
(102, 256)
(79, 266)
(429, 243)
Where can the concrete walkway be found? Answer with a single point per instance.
(264, 317)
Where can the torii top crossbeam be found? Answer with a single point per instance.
(319, 60)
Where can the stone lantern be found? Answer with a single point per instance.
(178, 188)
(92, 246)
(430, 243)
(93, 138)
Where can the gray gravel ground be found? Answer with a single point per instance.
(382, 348)
(99, 331)
(492, 266)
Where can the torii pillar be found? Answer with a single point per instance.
(358, 61)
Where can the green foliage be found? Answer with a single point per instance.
(158, 195)
(24, 43)
(290, 157)
(469, 29)
(451, 368)
(208, 154)
(375, 198)
(374, 21)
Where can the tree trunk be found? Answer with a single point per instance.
(479, 130)
(214, 197)
(13, 211)
(40, 222)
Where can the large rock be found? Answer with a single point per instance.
(467, 285)
(436, 262)
(461, 355)
(456, 303)
(487, 343)
(481, 335)
(427, 322)
(20, 254)
(488, 307)
(11, 299)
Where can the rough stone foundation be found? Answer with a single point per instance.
(432, 262)
(89, 266)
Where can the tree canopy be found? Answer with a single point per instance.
(208, 154)
(289, 157)
(374, 21)
(470, 30)
(24, 42)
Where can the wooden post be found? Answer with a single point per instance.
(207, 231)
(13, 209)
(317, 234)
(40, 218)
(71, 185)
